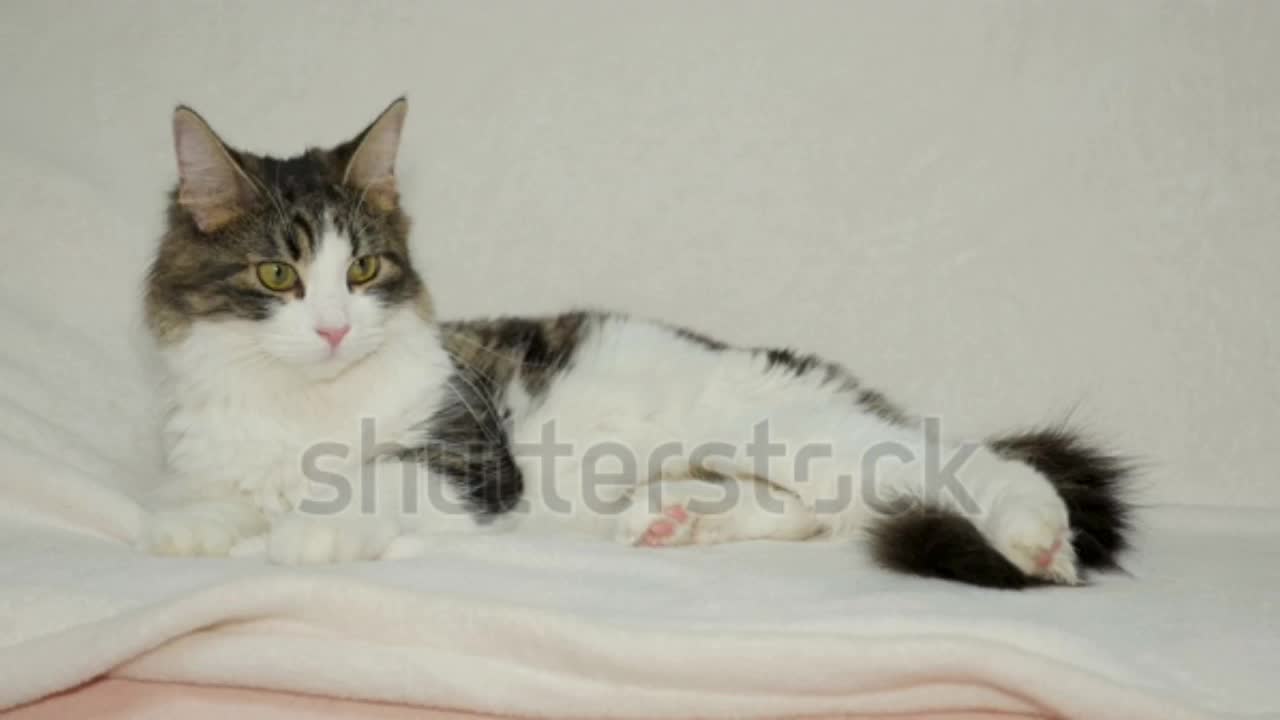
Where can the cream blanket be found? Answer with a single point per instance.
(538, 626)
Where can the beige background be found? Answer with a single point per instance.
(1000, 212)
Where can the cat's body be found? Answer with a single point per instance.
(324, 408)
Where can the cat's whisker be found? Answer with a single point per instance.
(484, 398)
(490, 382)
(458, 337)
(489, 435)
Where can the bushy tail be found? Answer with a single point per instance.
(944, 544)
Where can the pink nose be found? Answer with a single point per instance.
(333, 336)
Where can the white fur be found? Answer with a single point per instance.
(635, 383)
(251, 398)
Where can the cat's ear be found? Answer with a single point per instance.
(371, 157)
(211, 184)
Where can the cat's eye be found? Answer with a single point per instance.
(363, 269)
(277, 276)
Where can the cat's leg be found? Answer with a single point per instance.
(856, 466)
(858, 472)
(385, 509)
(183, 523)
(690, 511)
(348, 516)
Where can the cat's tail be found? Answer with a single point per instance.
(940, 543)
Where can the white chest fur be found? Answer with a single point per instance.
(244, 424)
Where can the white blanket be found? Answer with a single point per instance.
(546, 627)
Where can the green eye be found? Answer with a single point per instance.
(277, 276)
(363, 269)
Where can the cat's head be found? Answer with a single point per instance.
(303, 261)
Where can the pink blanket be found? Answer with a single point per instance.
(113, 699)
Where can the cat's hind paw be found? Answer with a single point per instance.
(697, 512)
(673, 525)
(1036, 537)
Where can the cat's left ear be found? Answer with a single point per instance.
(372, 157)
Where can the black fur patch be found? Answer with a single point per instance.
(1091, 483)
(291, 244)
(698, 338)
(531, 339)
(875, 402)
(788, 359)
(837, 377)
(943, 544)
(468, 442)
(536, 350)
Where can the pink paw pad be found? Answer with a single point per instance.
(660, 531)
(1045, 558)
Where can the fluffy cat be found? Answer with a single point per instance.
(319, 407)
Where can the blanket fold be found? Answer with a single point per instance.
(553, 627)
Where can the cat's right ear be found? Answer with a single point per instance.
(371, 157)
(211, 184)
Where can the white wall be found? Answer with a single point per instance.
(996, 211)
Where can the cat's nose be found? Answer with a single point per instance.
(333, 335)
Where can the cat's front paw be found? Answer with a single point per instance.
(311, 540)
(203, 529)
(1033, 533)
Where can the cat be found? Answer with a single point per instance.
(319, 407)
